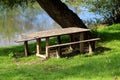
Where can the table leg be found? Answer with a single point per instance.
(58, 49)
(70, 39)
(47, 49)
(26, 48)
(81, 44)
(39, 51)
(89, 47)
(38, 46)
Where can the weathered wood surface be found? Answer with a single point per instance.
(55, 32)
(42, 56)
(38, 46)
(83, 41)
(47, 49)
(90, 48)
(26, 48)
(23, 40)
(58, 49)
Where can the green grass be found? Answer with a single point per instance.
(101, 65)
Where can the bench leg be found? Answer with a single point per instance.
(91, 46)
(47, 49)
(58, 52)
(26, 48)
(81, 44)
(38, 46)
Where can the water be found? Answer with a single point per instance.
(14, 23)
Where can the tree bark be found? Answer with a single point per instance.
(61, 13)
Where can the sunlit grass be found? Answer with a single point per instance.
(101, 65)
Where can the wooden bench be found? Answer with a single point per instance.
(26, 49)
(71, 43)
(57, 33)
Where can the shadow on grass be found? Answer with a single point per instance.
(98, 51)
(11, 50)
(16, 51)
(71, 54)
(109, 36)
(102, 49)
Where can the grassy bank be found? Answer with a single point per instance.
(101, 65)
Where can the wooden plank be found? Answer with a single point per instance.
(47, 49)
(56, 32)
(23, 40)
(26, 48)
(38, 46)
(81, 44)
(83, 41)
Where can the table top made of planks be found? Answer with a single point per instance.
(55, 32)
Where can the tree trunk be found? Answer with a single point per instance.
(65, 17)
(61, 13)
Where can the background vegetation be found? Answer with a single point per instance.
(108, 9)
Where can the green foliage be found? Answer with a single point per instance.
(14, 3)
(76, 3)
(73, 2)
(109, 9)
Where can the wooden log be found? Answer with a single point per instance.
(38, 45)
(81, 44)
(26, 48)
(47, 49)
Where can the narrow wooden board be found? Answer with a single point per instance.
(65, 44)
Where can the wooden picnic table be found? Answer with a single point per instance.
(55, 33)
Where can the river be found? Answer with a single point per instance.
(32, 19)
